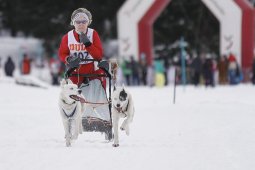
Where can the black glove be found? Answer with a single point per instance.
(84, 39)
(73, 62)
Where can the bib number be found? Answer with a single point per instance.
(82, 56)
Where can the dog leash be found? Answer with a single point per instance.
(78, 71)
(82, 100)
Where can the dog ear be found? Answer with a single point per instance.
(69, 81)
(63, 82)
(124, 90)
(123, 86)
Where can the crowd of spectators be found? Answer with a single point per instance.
(203, 69)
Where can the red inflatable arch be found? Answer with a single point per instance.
(145, 30)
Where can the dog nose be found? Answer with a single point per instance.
(79, 91)
(118, 105)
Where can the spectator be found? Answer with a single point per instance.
(54, 71)
(26, 65)
(126, 69)
(9, 67)
(196, 66)
(150, 76)
(159, 72)
(223, 70)
(234, 73)
(208, 71)
(171, 73)
(135, 71)
(215, 72)
(143, 64)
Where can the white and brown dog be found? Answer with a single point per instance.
(70, 110)
(123, 107)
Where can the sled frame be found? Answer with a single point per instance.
(93, 124)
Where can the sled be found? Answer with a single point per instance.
(97, 114)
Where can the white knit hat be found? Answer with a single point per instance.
(78, 12)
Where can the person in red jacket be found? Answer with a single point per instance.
(26, 65)
(82, 43)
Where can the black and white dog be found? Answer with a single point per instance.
(123, 107)
(70, 110)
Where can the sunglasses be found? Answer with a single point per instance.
(81, 22)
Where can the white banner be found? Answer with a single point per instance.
(229, 16)
(128, 17)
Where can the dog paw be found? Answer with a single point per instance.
(115, 145)
(127, 130)
(68, 143)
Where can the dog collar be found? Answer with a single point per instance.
(67, 103)
(121, 111)
(127, 106)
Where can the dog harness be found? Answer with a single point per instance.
(71, 115)
(68, 116)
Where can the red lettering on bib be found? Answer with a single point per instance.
(71, 46)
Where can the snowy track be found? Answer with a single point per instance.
(207, 129)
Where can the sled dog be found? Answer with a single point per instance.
(70, 110)
(123, 107)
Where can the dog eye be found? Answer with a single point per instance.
(71, 88)
(122, 98)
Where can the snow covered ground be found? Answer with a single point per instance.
(207, 129)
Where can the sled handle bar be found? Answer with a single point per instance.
(87, 75)
(89, 59)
